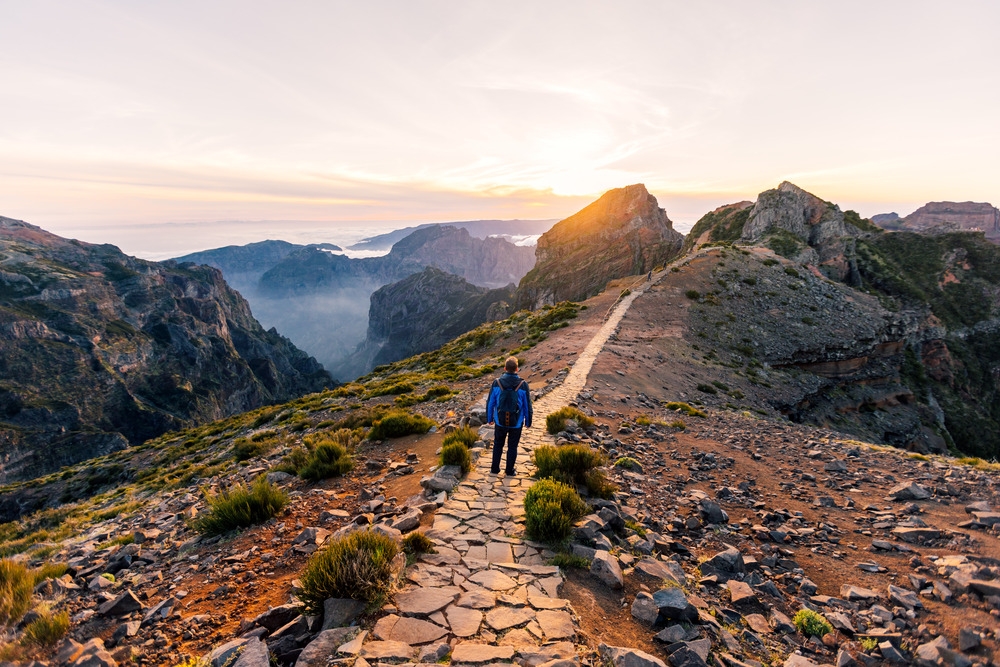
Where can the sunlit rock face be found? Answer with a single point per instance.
(623, 233)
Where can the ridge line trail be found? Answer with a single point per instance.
(489, 586)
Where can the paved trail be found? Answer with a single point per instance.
(490, 587)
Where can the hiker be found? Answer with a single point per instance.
(509, 406)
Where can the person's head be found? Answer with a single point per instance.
(511, 365)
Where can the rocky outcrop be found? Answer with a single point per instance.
(947, 216)
(243, 265)
(623, 233)
(801, 226)
(421, 313)
(101, 350)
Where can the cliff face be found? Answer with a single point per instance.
(100, 350)
(947, 216)
(422, 312)
(623, 233)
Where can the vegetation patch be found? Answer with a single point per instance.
(16, 584)
(46, 629)
(627, 462)
(398, 423)
(358, 566)
(417, 543)
(550, 510)
(556, 422)
(811, 624)
(239, 507)
(685, 408)
(456, 454)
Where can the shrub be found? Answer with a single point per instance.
(456, 454)
(244, 449)
(556, 421)
(550, 509)
(792, 272)
(869, 644)
(418, 543)
(567, 463)
(16, 584)
(398, 388)
(328, 458)
(398, 423)
(465, 435)
(47, 629)
(692, 294)
(707, 388)
(357, 566)
(239, 507)
(811, 624)
(643, 420)
(686, 409)
(678, 424)
(770, 262)
(627, 462)
(598, 485)
(293, 462)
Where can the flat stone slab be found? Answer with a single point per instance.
(428, 575)
(741, 593)
(387, 650)
(479, 598)
(499, 552)
(464, 622)
(472, 654)
(917, 535)
(502, 618)
(493, 580)
(408, 630)
(556, 624)
(423, 601)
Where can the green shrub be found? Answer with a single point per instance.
(869, 644)
(678, 424)
(556, 421)
(456, 454)
(358, 566)
(686, 409)
(244, 449)
(811, 624)
(598, 484)
(440, 390)
(397, 388)
(239, 507)
(643, 420)
(329, 457)
(770, 261)
(792, 272)
(293, 461)
(47, 629)
(638, 529)
(465, 435)
(418, 543)
(627, 462)
(692, 294)
(550, 510)
(398, 423)
(567, 463)
(16, 584)
(707, 388)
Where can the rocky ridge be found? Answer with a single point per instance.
(946, 216)
(623, 233)
(102, 350)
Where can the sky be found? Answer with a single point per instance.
(167, 127)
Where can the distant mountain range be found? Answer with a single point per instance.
(320, 298)
(510, 230)
(946, 216)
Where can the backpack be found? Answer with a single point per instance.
(508, 407)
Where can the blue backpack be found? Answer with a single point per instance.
(508, 407)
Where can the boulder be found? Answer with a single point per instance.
(909, 491)
(605, 568)
(674, 605)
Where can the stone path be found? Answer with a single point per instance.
(488, 586)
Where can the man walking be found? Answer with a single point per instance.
(509, 406)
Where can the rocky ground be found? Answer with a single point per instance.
(724, 527)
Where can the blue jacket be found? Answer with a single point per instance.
(523, 399)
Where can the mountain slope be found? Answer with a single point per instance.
(623, 233)
(948, 216)
(100, 350)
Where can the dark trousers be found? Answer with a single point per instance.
(512, 436)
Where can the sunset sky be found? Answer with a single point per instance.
(146, 123)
